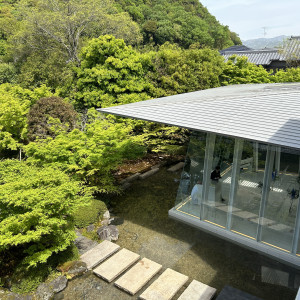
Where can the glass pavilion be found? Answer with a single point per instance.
(252, 133)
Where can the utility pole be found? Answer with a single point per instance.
(265, 31)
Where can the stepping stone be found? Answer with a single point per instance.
(264, 221)
(244, 214)
(134, 279)
(198, 291)
(226, 207)
(148, 174)
(99, 253)
(176, 167)
(116, 265)
(165, 286)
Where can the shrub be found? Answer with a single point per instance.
(89, 214)
(37, 210)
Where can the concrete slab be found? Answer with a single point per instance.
(131, 178)
(198, 291)
(149, 173)
(281, 227)
(225, 208)
(176, 167)
(244, 214)
(134, 279)
(264, 221)
(98, 254)
(165, 287)
(116, 265)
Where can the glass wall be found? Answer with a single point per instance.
(281, 199)
(248, 193)
(218, 178)
(189, 194)
(248, 188)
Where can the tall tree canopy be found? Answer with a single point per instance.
(184, 22)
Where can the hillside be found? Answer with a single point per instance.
(262, 43)
(183, 22)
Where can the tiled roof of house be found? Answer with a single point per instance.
(259, 57)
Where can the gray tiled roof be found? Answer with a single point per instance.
(267, 113)
(235, 48)
(258, 57)
(264, 57)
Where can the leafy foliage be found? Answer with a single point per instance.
(37, 207)
(288, 75)
(182, 22)
(177, 71)
(90, 214)
(39, 125)
(111, 73)
(88, 155)
(238, 70)
(14, 106)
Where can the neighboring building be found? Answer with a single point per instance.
(270, 59)
(252, 132)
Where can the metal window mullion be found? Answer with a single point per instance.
(297, 230)
(235, 172)
(208, 159)
(265, 188)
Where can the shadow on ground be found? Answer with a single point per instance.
(149, 231)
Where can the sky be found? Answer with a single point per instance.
(248, 17)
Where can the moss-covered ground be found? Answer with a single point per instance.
(149, 231)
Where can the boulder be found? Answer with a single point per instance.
(77, 268)
(83, 243)
(14, 296)
(114, 232)
(106, 215)
(90, 228)
(46, 291)
(109, 233)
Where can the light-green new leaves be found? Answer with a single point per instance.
(89, 155)
(14, 106)
(111, 73)
(37, 207)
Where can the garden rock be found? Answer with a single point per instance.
(106, 215)
(77, 268)
(14, 296)
(90, 228)
(109, 233)
(83, 243)
(46, 291)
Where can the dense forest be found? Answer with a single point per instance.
(59, 60)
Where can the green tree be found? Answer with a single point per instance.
(37, 210)
(14, 106)
(177, 71)
(51, 26)
(238, 70)
(288, 75)
(39, 124)
(111, 73)
(90, 155)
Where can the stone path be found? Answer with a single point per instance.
(133, 280)
(116, 265)
(96, 255)
(165, 286)
(111, 262)
(197, 291)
